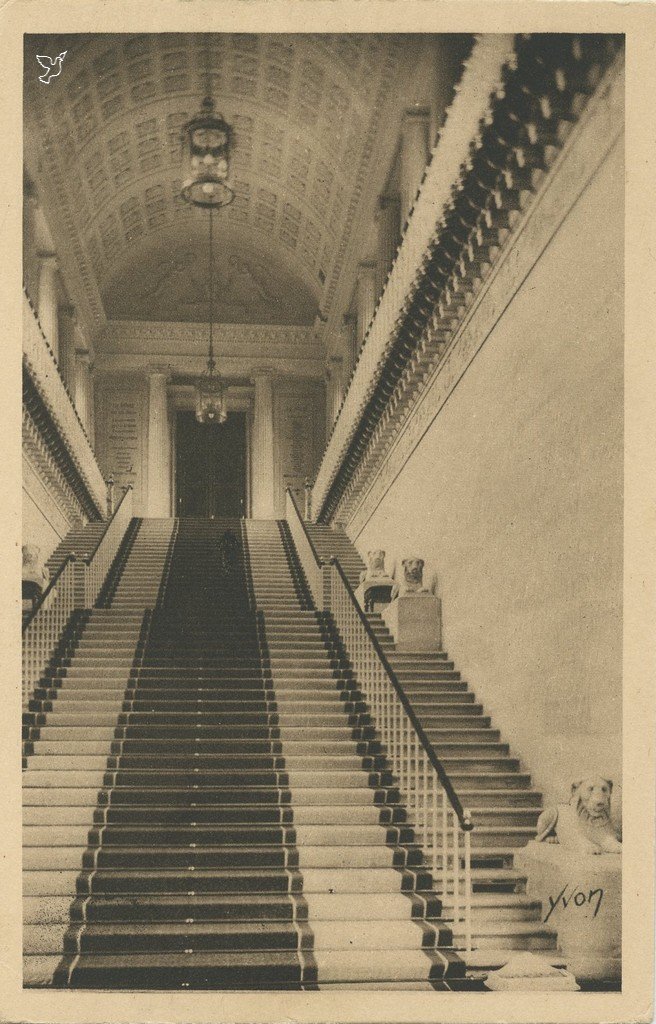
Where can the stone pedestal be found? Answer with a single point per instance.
(414, 620)
(581, 898)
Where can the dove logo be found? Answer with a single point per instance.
(52, 66)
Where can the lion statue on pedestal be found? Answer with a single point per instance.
(584, 824)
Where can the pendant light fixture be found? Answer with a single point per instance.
(206, 141)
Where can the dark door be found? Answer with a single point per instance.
(211, 466)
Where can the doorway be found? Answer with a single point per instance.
(210, 466)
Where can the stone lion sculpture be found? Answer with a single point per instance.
(375, 566)
(583, 825)
(413, 578)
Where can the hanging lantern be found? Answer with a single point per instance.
(206, 165)
(210, 397)
(206, 143)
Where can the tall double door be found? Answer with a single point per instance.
(211, 466)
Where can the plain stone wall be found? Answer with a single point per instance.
(514, 495)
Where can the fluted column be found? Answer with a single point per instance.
(263, 485)
(335, 389)
(414, 156)
(349, 345)
(159, 444)
(48, 316)
(67, 345)
(365, 299)
(388, 224)
(82, 388)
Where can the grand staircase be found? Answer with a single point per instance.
(488, 779)
(206, 804)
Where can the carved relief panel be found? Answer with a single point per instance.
(121, 434)
(299, 436)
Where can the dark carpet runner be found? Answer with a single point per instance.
(192, 869)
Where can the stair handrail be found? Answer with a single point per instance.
(420, 773)
(404, 744)
(462, 814)
(434, 759)
(313, 564)
(97, 564)
(44, 627)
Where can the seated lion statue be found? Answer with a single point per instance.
(584, 824)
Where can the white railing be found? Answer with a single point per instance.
(99, 562)
(442, 825)
(44, 371)
(76, 584)
(310, 561)
(46, 624)
(481, 77)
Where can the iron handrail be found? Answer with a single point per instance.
(69, 558)
(88, 559)
(447, 785)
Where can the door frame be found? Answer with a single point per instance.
(238, 399)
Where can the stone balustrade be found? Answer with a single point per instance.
(43, 370)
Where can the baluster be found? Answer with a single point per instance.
(425, 797)
(468, 887)
(434, 822)
(445, 844)
(456, 868)
(408, 750)
(416, 774)
(399, 740)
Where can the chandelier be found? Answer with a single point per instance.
(206, 143)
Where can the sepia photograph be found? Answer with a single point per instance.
(323, 510)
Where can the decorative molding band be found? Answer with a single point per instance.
(577, 166)
(128, 335)
(545, 91)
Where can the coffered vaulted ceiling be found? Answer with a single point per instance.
(103, 140)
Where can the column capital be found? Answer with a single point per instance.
(260, 372)
(158, 370)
